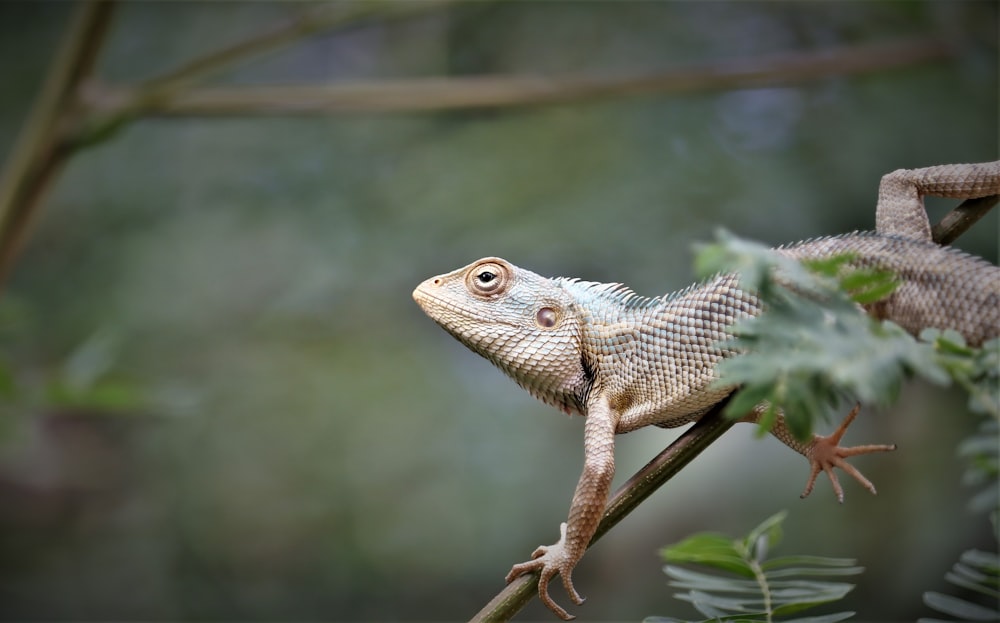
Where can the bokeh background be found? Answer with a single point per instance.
(220, 402)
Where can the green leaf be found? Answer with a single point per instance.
(686, 578)
(105, 395)
(827, 618)
(714, 605)
(710, 549)
(737, 581)
(959, 608)
(8, 384)
(809, 561)
(830, 266)
(815, 571)
(988, 561)
(866, 285)
(764, 536)
(978, 572)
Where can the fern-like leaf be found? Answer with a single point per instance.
(977, 370)
(743, 584)
(982, 455)
(976, 572)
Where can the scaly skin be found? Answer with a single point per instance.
(625, 361)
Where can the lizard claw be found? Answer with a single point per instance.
(825, 453)
(548, 560)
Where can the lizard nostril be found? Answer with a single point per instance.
(437, 281)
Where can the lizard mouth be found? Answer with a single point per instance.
(424, 295)
(438, 307)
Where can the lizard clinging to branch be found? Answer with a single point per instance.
(625, 361)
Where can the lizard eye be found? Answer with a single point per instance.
(488, 278)
(485, 277)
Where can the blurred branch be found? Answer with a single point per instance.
(110, 109)
(959, 220)
(309, 23)
(449, 93)
(43, 145)
(626, 499)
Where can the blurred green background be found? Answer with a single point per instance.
(220, 402)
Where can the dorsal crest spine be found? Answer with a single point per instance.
(620, 294)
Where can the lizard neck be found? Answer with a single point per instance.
(654, 358)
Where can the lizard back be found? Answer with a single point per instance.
(940, 287)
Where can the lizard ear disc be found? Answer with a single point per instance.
(546, 317)
(488, 277)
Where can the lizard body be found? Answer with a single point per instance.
(625, 361)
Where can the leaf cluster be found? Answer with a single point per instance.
(981, 452)
(977, 370)
(976, 572)
(814, 346)
(979, 573)
(744, 584)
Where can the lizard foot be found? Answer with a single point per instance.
(548, 560)
(825, 453)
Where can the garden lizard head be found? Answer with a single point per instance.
(525, 324)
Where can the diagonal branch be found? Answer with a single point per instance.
(327, 17)
(632, 493)
(44, 145)
(959, 220)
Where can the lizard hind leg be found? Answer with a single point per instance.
(900, 209)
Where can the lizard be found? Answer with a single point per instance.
(624, 361)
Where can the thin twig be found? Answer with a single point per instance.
(464, 92)
(325, 18)
(42, 147)
(639, 487)
(111, 108)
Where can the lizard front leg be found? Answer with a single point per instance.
(585, 512)
(824, 453)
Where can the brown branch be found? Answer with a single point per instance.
(959, 220)
(639, 487)
(43, 145)
(449, 93)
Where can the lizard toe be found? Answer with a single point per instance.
(543, 594)
(522, 568)
(567, 580)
